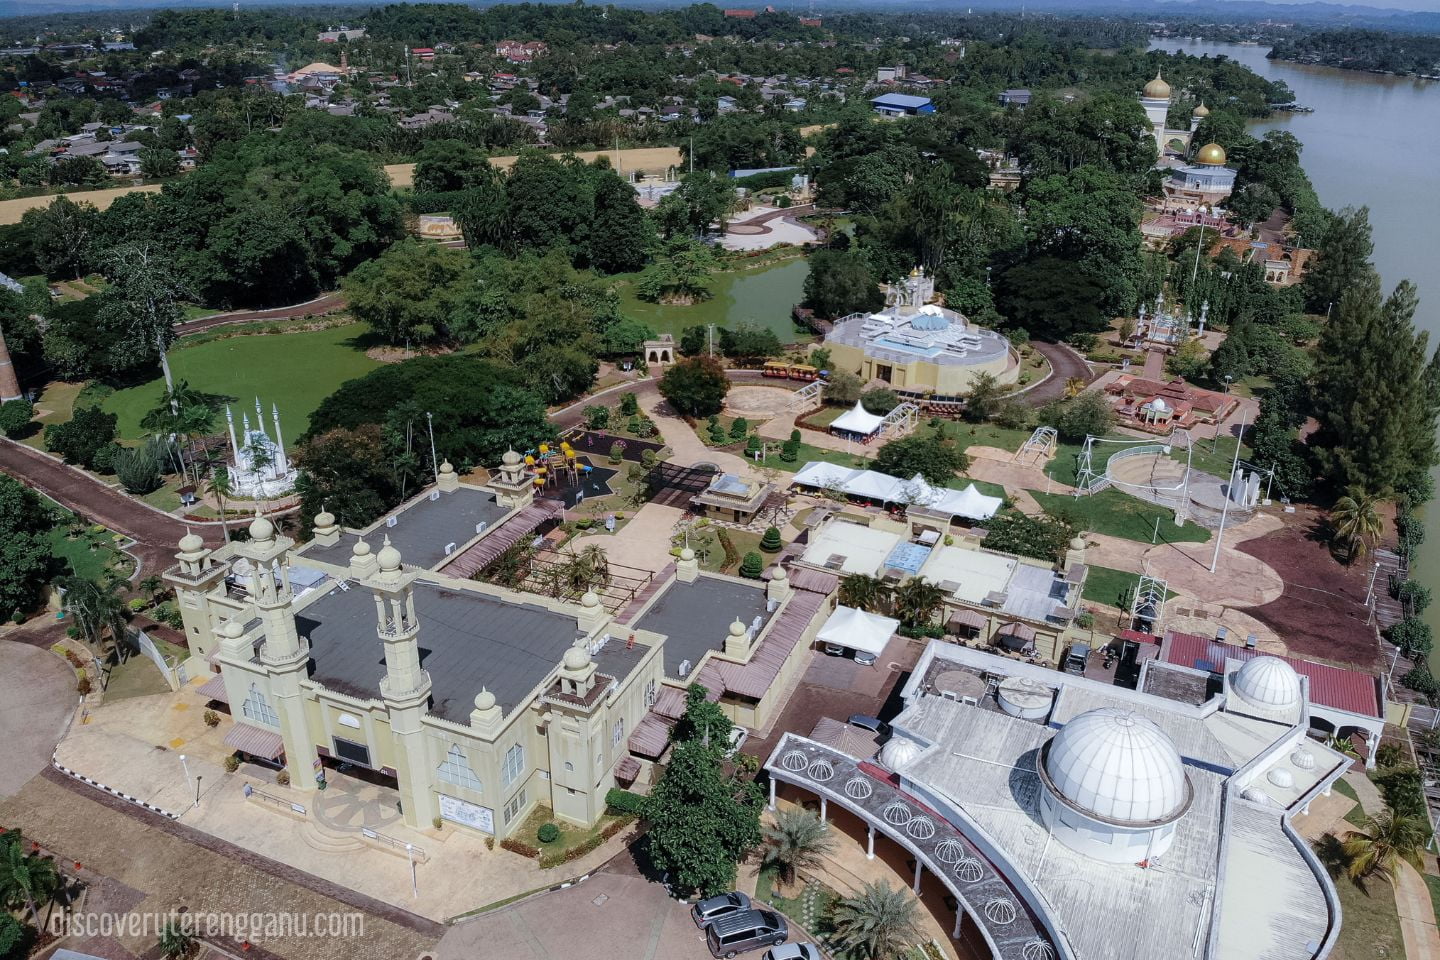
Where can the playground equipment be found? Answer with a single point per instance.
(556, 466)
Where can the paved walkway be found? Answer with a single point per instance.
(37, 698)
(327, 303)
(1417, 915)
(644, 541)
(686, 448)
(1065, 365)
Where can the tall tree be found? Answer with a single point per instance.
(840, 283)
(1342, 259)
(797, 840)
(145, 291)
(878, 923)
(25, 555)
(1382, 842)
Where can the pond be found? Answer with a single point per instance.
(763, 296)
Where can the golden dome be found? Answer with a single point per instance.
(1211, 154)
(1157, 89)
(1200, 111)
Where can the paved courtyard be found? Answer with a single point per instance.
(37, 698)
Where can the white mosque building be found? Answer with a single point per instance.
(1072, 819)
(259, 466)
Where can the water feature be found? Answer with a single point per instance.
(763, 296)
(1372, 141)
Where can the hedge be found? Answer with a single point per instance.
(623, 803)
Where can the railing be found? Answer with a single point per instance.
(289, 806)
(393, 843)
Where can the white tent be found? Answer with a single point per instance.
(818, 473)
(864, 633)
(971, 504)
(858, 421)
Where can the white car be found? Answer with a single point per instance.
(792, 951)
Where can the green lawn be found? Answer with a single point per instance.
(1433, 882)
(1117, 514)
(1216, 463)
(139, 677)
(1371, 930)
(294, 370)
(1107, 585)
(1357, 813)
(89, 555)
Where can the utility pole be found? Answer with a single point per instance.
(1225, 511)
(430, 425)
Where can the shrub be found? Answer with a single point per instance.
(1420, 680)
(752, 445)
(1412, 635)
(790, 451)
(548, 833)
(623, 803)
(211, 718)
(232, 763)
(17, 618)
(597, 417)
(438, 823)
(795, 435)
(81, 439)
(1415, 595)
(1085, 621)
(15, 417)
(283, 778)
(752, 566)
(648, 459)
(739, 428)
(629, 406)
(138, 468)
(136, 604)
(520, 847)
(770, 543)
(617, 450)
(83, 685)
(732, 556)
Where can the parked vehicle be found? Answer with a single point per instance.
(1076, 658)
(706, 912)
(792, 951)
(747, 930)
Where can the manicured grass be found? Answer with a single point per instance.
(296, 371)
(1116, 514)
(808, 453)
(570, 837)
(743, 541)
(1357, 813)
(87, 556)
(969, 435)
(1216, 463)
(56, 405)
(1433, 882)
(812, 908)
(763, 296)
(1107, 585)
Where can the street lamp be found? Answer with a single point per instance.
(186, 767)
(1215, 440)
(1202, 211)
(410, 855)
(430, 425)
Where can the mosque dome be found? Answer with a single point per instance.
(1200, 112)
(898, 752)
(1158, 405)
(576, 658)
(1212, 154)
(1267, 682)
(446, 467)
(1157, 89)
(389, 557)
(191, 542)
(261, 529)
(1118, 766)
(687, 554)
(484, 700)
(232, 628)
(511, 458)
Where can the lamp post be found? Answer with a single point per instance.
(1215, 440)
(198, 778)
(410, 855)
(1225, 510)
(1201, 211)
(430, 426)
(186, 767)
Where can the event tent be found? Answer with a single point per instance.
(864, 633)
(919, 495)
(858, 421)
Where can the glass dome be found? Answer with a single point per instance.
(1118, 766)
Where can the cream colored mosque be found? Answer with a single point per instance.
(1205, 180)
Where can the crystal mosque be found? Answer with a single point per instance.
(259, 467)
(1067, 818)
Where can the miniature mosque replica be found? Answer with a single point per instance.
(259, 468)
(916, 344)
(1071, 819)
(1206, 180)
(1168, 327)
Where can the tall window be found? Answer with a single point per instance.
(650, 694)
(257, 708)
(617, 732)
(456, 769)
(514, 764)
(516, 804)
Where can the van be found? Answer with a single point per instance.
(1076, 659)
(748, 930)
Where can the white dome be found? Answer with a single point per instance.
(261, 530)
(389, 557)
(899, 752)
(1159, 405)
(1267, 682)
(576, 658)
(191, 542)
(1118, 766)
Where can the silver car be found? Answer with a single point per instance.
(792, 951)
(708, 911)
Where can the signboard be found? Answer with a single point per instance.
(469, 814)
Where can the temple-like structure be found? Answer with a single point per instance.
(259, 467)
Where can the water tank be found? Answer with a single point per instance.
(1025, 698)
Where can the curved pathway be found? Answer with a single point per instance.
(327, 303)
(1065, 364)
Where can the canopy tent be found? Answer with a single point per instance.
(971, 504)
(858, 421)
(921, 497)
(865, 633)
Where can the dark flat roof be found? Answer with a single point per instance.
(696, 617)
(468, 640)
(423, 528)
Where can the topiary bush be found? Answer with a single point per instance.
(752, 566)
(548, 833)
(770, 542)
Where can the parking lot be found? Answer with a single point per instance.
(615, 914)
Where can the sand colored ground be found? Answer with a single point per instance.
(655, 160)
(12, 210)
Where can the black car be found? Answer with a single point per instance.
(708, 911)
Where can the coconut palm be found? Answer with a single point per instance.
(151, 586)
(917, 601)
(796, 841)
(1382, 842)
(587, 568)
(877, 924)
(223, 487)
(98, 609)
(1074, 386)
(1356, 521)
(185, 413)
(864, 592)
(26, 880)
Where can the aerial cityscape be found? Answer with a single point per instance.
(852, 481)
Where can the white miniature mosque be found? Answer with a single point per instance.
(259, 468)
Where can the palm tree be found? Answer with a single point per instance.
(1074, 386)
(98, 608)
(877, 924)
(184, 413)
(1356, 520)
(917, 601)
(26, 880)
(175, 942)
(588, 568)
(864, 592)
(796, 841)
(223, 488)
(1382, 842)
(151, 586)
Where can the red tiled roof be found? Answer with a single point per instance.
(627, 770)
(753, 679)
(670, 702)
(650, 737)
(1336, 687)
(266, 744)
(502, 538)
(1137, 636)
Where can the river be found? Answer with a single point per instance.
(1372, 141)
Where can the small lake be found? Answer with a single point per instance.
(763, 296)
